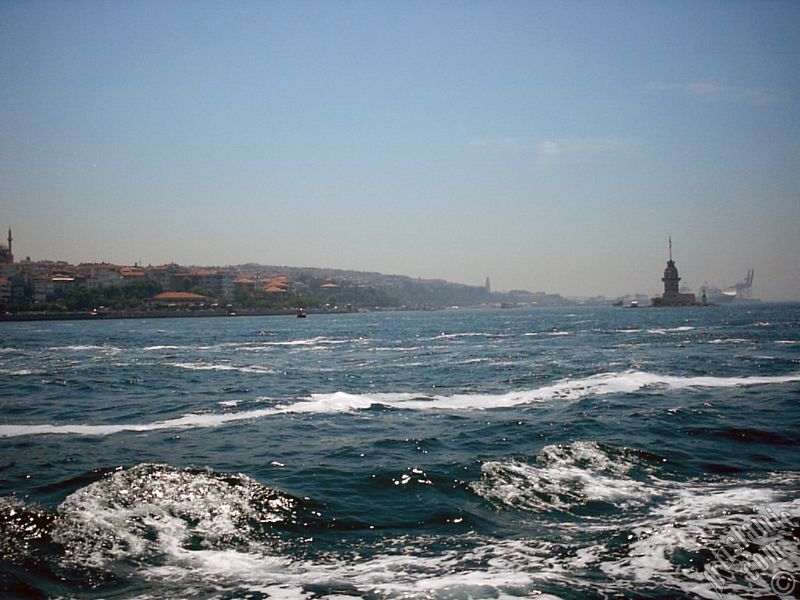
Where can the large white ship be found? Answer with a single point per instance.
(741, 292)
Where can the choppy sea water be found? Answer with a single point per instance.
(550, 453)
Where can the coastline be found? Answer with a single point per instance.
(147, 314)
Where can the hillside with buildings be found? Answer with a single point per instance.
(58, 287)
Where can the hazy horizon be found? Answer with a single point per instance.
(549, 146)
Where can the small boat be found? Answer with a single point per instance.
(301, 314)
(633, 304)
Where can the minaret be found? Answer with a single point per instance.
(10, 251)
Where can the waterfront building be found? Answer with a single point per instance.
(5, 292)
(100, 275)
(176, 299)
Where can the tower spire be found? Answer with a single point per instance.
(670, 248)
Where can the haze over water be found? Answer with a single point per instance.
(550, 146)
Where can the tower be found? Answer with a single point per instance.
(671, 279)
(672, 295)
(6, 256)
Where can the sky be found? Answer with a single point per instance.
(551, 146)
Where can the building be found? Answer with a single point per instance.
(6, 253)
(175, 299)
(5, 292)
(217, 281)
(672, 295)
(100, 275)
(244, 284)
(47, 288)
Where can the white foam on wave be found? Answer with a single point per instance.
(342, 402)
(568, 389)
(154, 508)
(561, 477)
(19, 372)
(412, 573)
(195, 366)
(163, 347)
(665, 330)
(666, 521)
(188, 421)
(468, 334)
(85, 347)
(698, 517)
(316, 341)
(203, 526)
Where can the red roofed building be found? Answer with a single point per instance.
(178, 299)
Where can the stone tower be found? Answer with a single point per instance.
(672, 295)
(671, 279)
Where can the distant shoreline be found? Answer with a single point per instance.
(272, 312)
(147, 314)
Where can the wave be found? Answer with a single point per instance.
(152, 508)
(342, 402)
(85, 347)
(184, 528)
(194, 366)
(189, 421)
(695, 522)
(549, 333)
(187, 531)
(20, 372)
(665, 330)
(316, 341)
(453, 336)
(485, 569)
(563, 477)
(163, 347)
(664, 523)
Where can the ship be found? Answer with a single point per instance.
(740, 293)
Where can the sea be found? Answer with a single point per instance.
(551, 453)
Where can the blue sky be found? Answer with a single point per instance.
(548, 145)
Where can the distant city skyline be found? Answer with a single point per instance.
(550, 146)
